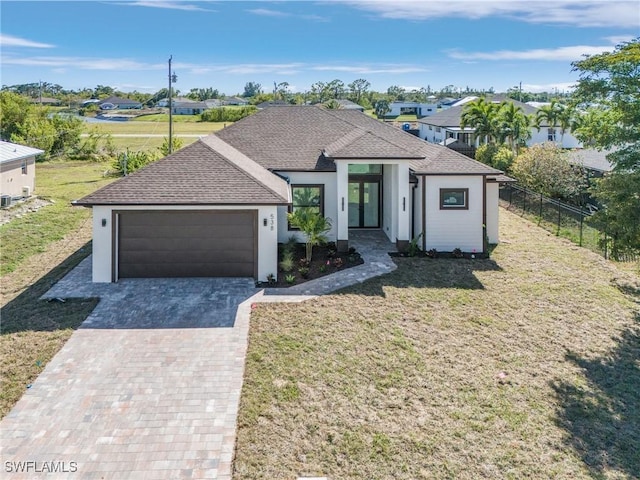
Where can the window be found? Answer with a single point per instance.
(438, 129)
(454, 198)
(430, 127)
(365, 168)
(24, 166)
(551, 135)
(307, 196)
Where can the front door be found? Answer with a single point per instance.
(364, 203)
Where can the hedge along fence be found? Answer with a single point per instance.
(563, 219)
(227, 114)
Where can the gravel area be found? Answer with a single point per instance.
(19, 208)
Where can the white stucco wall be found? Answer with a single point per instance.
(493, 211)
(542, 136)
(103, 236)
(449, 229)
(328, 179)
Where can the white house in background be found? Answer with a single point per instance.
(188, 108)
(218, 207)
(446, 124)
(17, 170)
(411, 108)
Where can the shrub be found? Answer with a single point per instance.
(304, 272)
(227, 114)
(457, 253)
(287, 263)
(290, 279)
(432, 253)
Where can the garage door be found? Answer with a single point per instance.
(187, 244)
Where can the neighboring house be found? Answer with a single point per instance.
(272, 103)
(17, 169)
(213, 102)
(446, 124)
(349, 105)
(411, 108)
(595, 161)
(52, 102)
(120, 103)
(235, 101)
(218, 207)
(188, 108)
(164, 102)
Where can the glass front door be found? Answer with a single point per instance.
(364, 204)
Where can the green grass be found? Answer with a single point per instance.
(144, 143)
(524, 365)
(33, 331)
(156, 128)
(61, 182)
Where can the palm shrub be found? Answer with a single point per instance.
(313, 225)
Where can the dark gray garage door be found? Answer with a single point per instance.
(187, 244)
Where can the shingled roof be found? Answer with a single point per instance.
(307, 138)
(207, 172)
(450, 117)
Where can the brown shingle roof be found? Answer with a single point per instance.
(295, 137)
(207, 172)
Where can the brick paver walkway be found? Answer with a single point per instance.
(149, 386)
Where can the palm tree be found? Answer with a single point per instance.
(515, 125)
(548, 114)
(566, 119)
(313, 225)
(482, 116)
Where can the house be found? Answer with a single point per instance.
(120, 103)
(17, 170)
(446, 124)
(592, 160)
(411, 108)
(272, 103)
(235, 101)
(188, 108)
(164, 102)
(52, 102)
(349, 105)
(218, 207)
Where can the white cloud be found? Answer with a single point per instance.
(167, 5)
(11, 41)
(265, 12)
(81, 63)
(370, 69)
(548, 87)
(564, 54)
(616, 39)
(581, 13)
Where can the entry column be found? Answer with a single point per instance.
(342, 222)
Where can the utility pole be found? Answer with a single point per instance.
(173, 78)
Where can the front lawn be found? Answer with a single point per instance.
(37, 250)
(525, 365)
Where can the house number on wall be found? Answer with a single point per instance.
(272, 222)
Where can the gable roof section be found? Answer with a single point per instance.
(13, 151)
(450, 117)
(207, 172)
(307, 138)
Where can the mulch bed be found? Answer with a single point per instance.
(325, 261)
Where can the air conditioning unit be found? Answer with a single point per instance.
(5, 201)
(26, 192)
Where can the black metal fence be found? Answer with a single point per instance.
(563, 219)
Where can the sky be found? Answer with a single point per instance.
(225, 44)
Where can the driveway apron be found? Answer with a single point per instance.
(148, 387)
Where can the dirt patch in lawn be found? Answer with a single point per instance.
(524, 365)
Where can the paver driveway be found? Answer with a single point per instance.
(148, 387)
